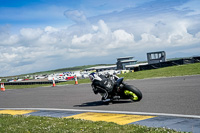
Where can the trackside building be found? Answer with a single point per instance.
(122, 62)
(101, 68)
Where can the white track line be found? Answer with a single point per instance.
(106, 111)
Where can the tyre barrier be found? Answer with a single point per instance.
(31, 83)
(168, 63)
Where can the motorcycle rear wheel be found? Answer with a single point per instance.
(133, 93)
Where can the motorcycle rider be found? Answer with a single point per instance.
(103, 84)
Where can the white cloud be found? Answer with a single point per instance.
(103, 27)
(121, 39)
(148, 38)
(9, 57)
(103, 37)
(9, 40)
(50, 29)
(76, 16)
(83, 40)
(95, 28)
(197, 35)
(48, 39)
(29, 33)
(123, 36)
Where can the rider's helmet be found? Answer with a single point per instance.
(93, 76)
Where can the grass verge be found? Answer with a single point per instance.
(182, 70)
(36, 124)
(80, 81)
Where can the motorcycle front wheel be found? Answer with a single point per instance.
(133, 93)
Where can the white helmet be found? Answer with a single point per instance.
(93, 76)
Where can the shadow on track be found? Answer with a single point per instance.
(100, 103)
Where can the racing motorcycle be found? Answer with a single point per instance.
(115, 88)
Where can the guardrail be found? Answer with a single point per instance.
(34, 82)
(169, 63)
(30, 83)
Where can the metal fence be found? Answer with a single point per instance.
(169, 63)
(30, 83)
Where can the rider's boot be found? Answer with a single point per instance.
(105, 100)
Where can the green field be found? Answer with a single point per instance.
(181, 70)
(36, 124)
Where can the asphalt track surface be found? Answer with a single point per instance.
(176, 95)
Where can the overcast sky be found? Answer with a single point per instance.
(39, 35)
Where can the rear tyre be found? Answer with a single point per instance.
(133, 93)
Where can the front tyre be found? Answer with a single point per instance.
(132, 92)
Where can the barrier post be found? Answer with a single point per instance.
(2, 87)
(54, 84)
(76, 81)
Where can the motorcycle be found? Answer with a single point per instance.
(120, 90)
